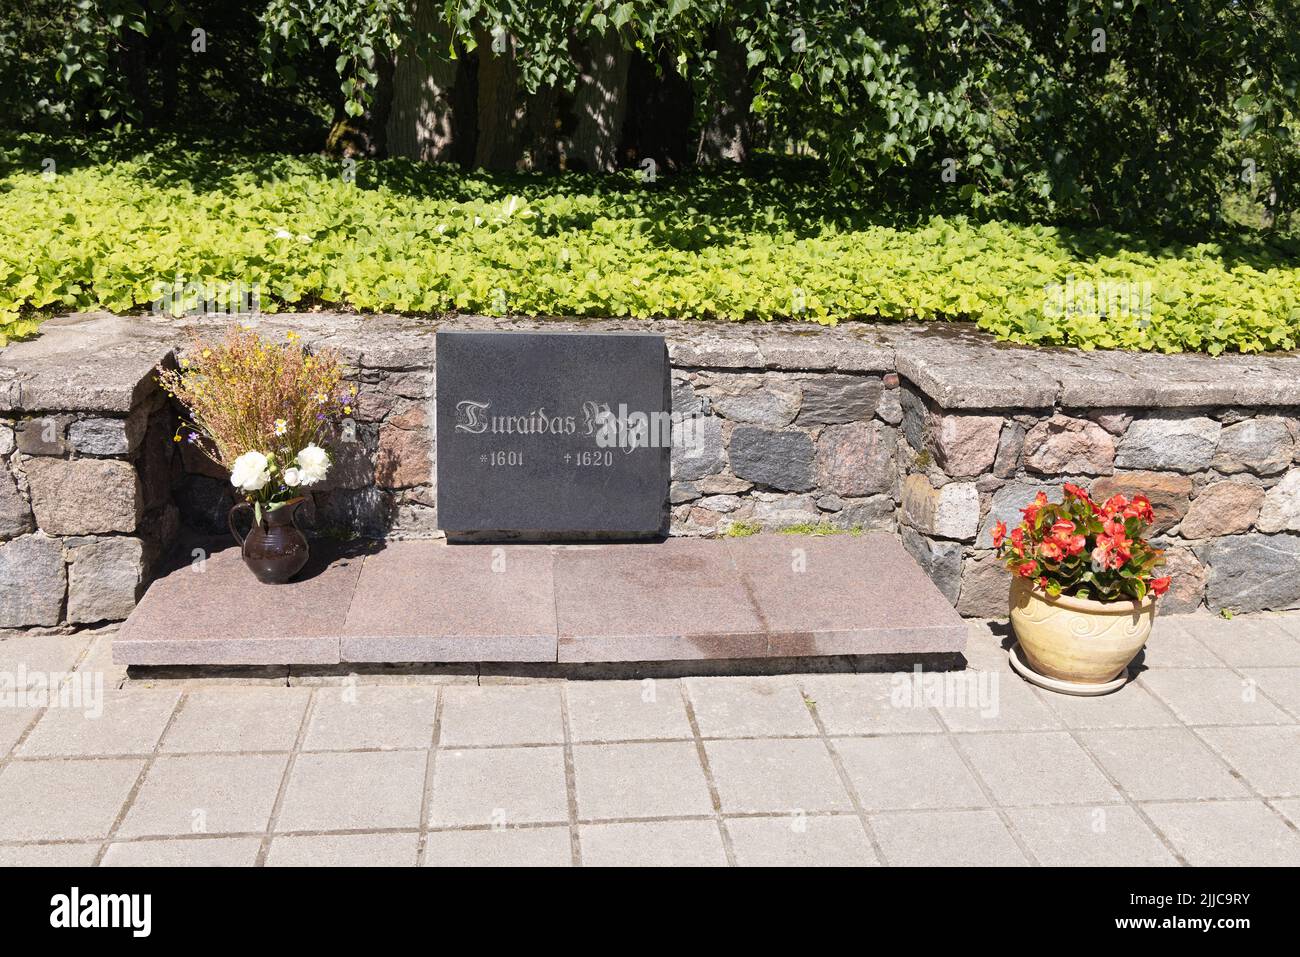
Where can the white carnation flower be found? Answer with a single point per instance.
(292, 477)
(313, 463)
(251, 472)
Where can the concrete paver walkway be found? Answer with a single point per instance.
(1194, 762)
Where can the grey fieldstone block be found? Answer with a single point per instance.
(6, 438)
(766, 401)
(832, 399)
(950, 511)
(857, 458)
(965, 445)
(45, 435)
(1170, 442)
(1253, 572)
(697, 449)
(1068, 446)
(15, 513)
(781, 460)
(84, 496)
(107, 436)
(941, 560)
(1222, 508)
(1281, 509)
(32, 582)
(104, 577)
(890, 408)
(985, 587)
(775, 511)
(1263, 446)
(875, 512)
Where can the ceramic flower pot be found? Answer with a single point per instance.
(276, 549)
(1077, 639)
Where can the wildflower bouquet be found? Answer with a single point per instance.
(266, 412)
(1084, 549)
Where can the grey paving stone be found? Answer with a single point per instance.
(195, 852)
(1290, 810)
(354, 792)
(491, 603)
(945, 839)
(1036, 768)
(238, 719)
(1007, 703)
(1246, 642)
(909, 772)
(1103, 836)
(775, 776)
(749, 707)
(501, 714)
(800, 841)
(44, 654)
(49, 855)
(1267, 757)
(499, 786)
(1280, 685)
(697, 609)
(125, 722)
(1130, 707)
(64, 800)
(869, 596)
(868, 704)
(205, 794)
(384, 717)
(652, 844)
(1288, 622)
(344, 850)
(500, 847)
(13, 722)
(98, 659)
(627, 710)
(662, 779)
(1162, 764)
(1172, 646)
(295, 623)
(1228, 834)
(1212, 696)
(984, 650)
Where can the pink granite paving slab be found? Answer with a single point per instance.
(424, 601)
(844, 595)
(222, 615)
(681, 599)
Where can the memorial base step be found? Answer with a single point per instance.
(766, 597)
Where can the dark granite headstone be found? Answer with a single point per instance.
(544, 434)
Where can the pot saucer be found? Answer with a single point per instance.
(1059, 685)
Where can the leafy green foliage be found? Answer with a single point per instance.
(775, 243)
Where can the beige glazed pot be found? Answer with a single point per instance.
(1077, 639)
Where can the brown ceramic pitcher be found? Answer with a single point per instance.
(276, 549)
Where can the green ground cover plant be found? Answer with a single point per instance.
(767, 242)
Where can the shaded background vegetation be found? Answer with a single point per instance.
(1168, 116)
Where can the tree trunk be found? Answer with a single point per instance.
(367, 134)
(542, 149)
(660, 107)
(725, 137)
(500, 118)
(599, 104)
(421, 125)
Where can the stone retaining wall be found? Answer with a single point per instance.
(930, 432)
